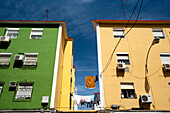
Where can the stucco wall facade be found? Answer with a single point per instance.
(136, 43)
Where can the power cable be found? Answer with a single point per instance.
(136, 18)
(124, 13)
(132, 13)
(109, 61)
(146, 71)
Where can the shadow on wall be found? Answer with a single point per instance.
(146, 85)
(144, 106)
(120, 72)
(4, 45)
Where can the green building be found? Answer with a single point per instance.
(29, 62)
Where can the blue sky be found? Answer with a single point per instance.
(78, 15)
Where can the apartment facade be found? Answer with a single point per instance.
(133, 64)
(36, 62)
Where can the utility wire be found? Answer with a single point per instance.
(132, 13)
(109, 61)
(136, 18)
(124, 13)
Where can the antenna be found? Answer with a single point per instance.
(47, 11)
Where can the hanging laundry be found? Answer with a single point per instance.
(89, 101)
(90, 81)
(96, 78)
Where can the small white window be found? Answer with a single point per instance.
(118, 33)
(36, 33)
(158, 33)
(169, 84)
(24, 91)
(30, 59)
(12, 32)
(5, 58)
(127, 90)
(123, 57)
(165, 58)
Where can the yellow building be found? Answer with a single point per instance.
(66, 77)
(134, 65)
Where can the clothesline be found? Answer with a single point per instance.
(89, 101)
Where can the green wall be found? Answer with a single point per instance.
(42, 75)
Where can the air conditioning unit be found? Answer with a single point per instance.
(145, 99)
(19, 57)
(121, 66)
(166, 67)
(12, 86)
(114, 106)
(4, 38)
(45, 99)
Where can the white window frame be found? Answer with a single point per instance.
(36, 31)
(158, 33)
(118, 33)
(125, 57)
(169, 84)
(165, 60)
(13, 30)
(5, 60)
(129, 86)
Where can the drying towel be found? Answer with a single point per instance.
(90, 81)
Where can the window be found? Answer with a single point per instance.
(36, 33)
(158, 33)
(127, 90)
(24, 91)
(12, 32)
(30, 59)
(169, 84)
(5, 58)
(123, 58)
(165, 58)
(118, 33)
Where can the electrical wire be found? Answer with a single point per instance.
(132, 13)
(124, 13)
(109, 61)
(136, 18)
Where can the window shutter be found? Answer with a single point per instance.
(158, 34)
(122, 57)
(165, 58)
(126, 86)
(36, 32)
(118, 33)
(12, 31)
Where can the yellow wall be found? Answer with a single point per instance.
(65, 81)
(63, 86)
(59, 74)
(136, 43)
